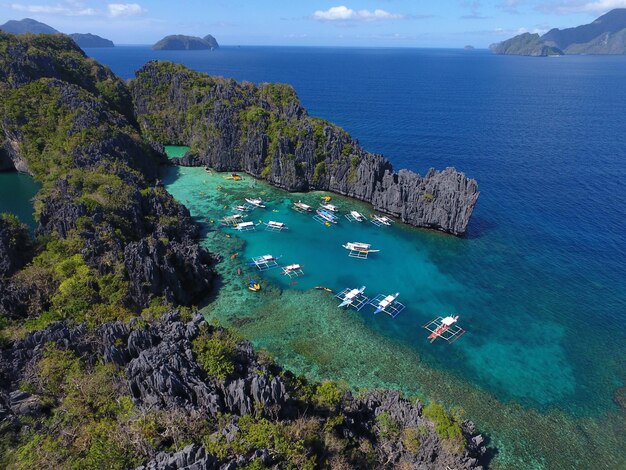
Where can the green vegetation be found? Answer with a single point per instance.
(319, 172)
(447, 427)
(411, 439)
(387, 427)
(216, 352)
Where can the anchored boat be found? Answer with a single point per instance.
(355, 216)
(302, 207)
(325, 217)
(293, 270)
(359, 250)
(329, 207)
(444, 328)
(387, 304)
(379, 220)
(257, 202)
(353, 298)
(274, 226)
(245, 226)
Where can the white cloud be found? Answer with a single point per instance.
(343, 13)
(70, 8)
(567, 7)
(124, 9)
(600, 6)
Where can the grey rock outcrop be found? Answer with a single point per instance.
(265, 132)
(192, 457)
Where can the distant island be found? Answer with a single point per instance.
(606, 35)
(91, 40)
(469, 47)
(30, 26)
(27, 25)
(180, 42)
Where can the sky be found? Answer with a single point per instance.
(365, 23)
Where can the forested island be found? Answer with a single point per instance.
(30, 26)
(104, 361)
(180, 42)
(605, 35)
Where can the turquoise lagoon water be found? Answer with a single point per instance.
(539, 280)
(540, 385)
(16, 193)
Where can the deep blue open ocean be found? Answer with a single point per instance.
(545, 255)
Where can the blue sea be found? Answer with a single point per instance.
(540, 279)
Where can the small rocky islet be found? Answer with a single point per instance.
(181, 42)
(104, 362)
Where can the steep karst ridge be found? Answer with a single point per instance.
(605, 35)
(264, 131)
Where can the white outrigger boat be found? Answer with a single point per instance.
(379, 220)
(329, 207)
(387, 304)
(355, 216)
(245, 226)
(444, 328)
(353, 298)
(325, 217)
(274, 226)
(265, 262)
(256, 202)
(233, 220)
(359, 250)
(302, 207)
(242, 208)
(293, 270)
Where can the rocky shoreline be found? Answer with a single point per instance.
(265, 132)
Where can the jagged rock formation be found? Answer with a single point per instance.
(90, 40)
(62, 120)
(605, 35)
(29, 58)
(162, 372)
(180, 42)
(265, 132)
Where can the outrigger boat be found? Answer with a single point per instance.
(293, 270)
(274, 226)
(387, 304)
(381, 220)
(302, 207)
(353, 298)
(359, 250)
(256, 202)
(265, 262)
(444, 328)
(245, 226)
(232, 220)
(241, 208)
(329, 207)
(355, 216)
(326, 216)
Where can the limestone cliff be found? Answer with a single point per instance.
(264, 131)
